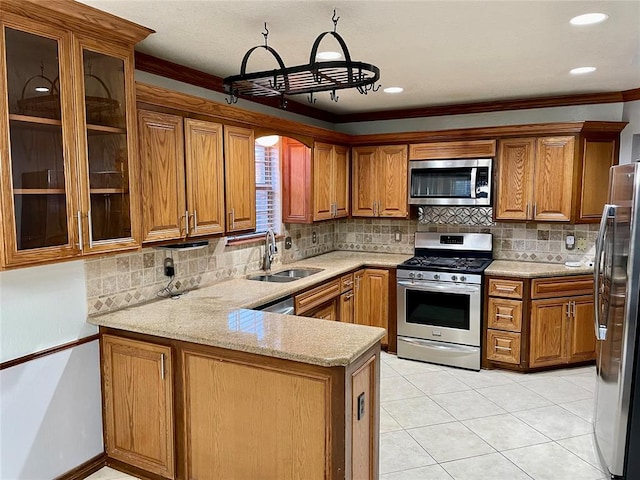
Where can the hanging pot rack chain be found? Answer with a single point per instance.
(311, 78)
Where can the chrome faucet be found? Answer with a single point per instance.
(269, 250)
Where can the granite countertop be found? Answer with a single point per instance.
(509, 268)
(219, 315)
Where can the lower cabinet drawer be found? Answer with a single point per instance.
(316, 296)
(505, 314)
(503, 346)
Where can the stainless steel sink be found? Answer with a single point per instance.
(290, 275)
(297, 272)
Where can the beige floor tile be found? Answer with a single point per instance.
(550, 461)
(485, 467)
(433, 383)
(417, 412)
(555, 422)
(514, 397)
(481, 379)
(466, 405)
(387, 371)
(107, 473)
(398, 388)
(450, 441)
(583, 446)
(505, 432)
(557, 389)
(387, 422)
(582, 408)
(432, 472)
(399, 451)
(588, 381)
(408, 367)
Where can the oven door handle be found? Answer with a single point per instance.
(438, 288)
(440, 345)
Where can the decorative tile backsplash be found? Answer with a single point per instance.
(455, 215)
(126, 279)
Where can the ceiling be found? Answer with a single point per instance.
(441, 52)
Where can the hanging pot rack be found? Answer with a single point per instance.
(311, 78)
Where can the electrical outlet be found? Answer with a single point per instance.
(570, 242)
(287, 243)
(169, 268)
(314, 237)
(581, 244)
(397, 235)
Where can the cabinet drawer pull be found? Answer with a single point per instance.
(502, 315)
(498, 347)
(506, 289)
(349, 296)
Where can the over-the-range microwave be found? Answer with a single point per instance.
(450, 182)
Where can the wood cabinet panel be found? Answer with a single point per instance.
(447, 150)
(598, 156)
(363, 421)
(347, 306)
(505, 314)
(503, 346)
(205, 177)
(162, 170)
(392, 178)
(329, 310)
(549, 319)
(297, 186)
(514, 179)
(364, 180)
(371, 305)
(315, 297)
(554, 178)
(346, 282)
(341, 182)
(138, 402)
(240, 178)
(322, 181)
(582, 340)
(499, 287)
(561, 286)
(287, 414)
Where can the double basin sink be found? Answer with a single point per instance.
(284, 276)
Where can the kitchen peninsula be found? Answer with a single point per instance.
(301, 394)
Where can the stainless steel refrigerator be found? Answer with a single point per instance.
(617, 287)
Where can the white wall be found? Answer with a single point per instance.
(51, 414)
(50, 408)
(630, 138)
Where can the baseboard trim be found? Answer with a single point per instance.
(87, 468)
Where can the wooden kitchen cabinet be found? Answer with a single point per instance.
(379, 179)
(371, 293)
(137, 380)
(330, 181)
(183, 177)
(297, 182)
(68, 147)
(554, 178)
(240, 179)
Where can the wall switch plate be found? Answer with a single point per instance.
(287, 243)
(397, 236)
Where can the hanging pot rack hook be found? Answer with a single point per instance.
(265, 34)
(335, 19)
(311, 99)
(232, 99)
(334, 96)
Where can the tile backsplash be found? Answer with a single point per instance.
(118, 281)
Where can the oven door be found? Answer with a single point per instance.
(440, 311)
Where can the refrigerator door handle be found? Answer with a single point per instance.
(607, 213)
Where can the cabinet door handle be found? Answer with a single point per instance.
(357, 283)
(186, 222)
(90, 225)
(568, 309)
(80, 239)
(232, 215)
(535, 210)
(195, 220)
(573, 305)
(527, 215)
(162, 366)
(349, 296)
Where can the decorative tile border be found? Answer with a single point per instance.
(455, 216)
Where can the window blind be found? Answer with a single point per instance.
(267, 188)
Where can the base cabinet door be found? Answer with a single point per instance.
(549, 320)
(326, 311)
(346, 307)
(284, 411)
(582, 340)
(138, 402)
(371, 299)
(364, 437)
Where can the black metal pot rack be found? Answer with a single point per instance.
(310, 78)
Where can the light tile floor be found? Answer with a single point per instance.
(440, 423)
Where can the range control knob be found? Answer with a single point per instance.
(454, 277)
(419, 275)
(463, 278)
(411, 274)
(436, 277)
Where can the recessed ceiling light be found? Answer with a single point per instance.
(328, 56)
(589, 19)
(393, 90)
(582, 70)
(41, 89)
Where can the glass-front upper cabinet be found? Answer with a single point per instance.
(38, 203)
(108, 194)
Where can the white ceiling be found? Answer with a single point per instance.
(441, 52)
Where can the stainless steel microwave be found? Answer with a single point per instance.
(450, 182)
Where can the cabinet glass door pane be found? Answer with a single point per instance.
(36, 140)
(107, 153)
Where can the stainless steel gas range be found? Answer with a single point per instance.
(440, 298)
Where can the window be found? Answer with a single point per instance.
(267, 188)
